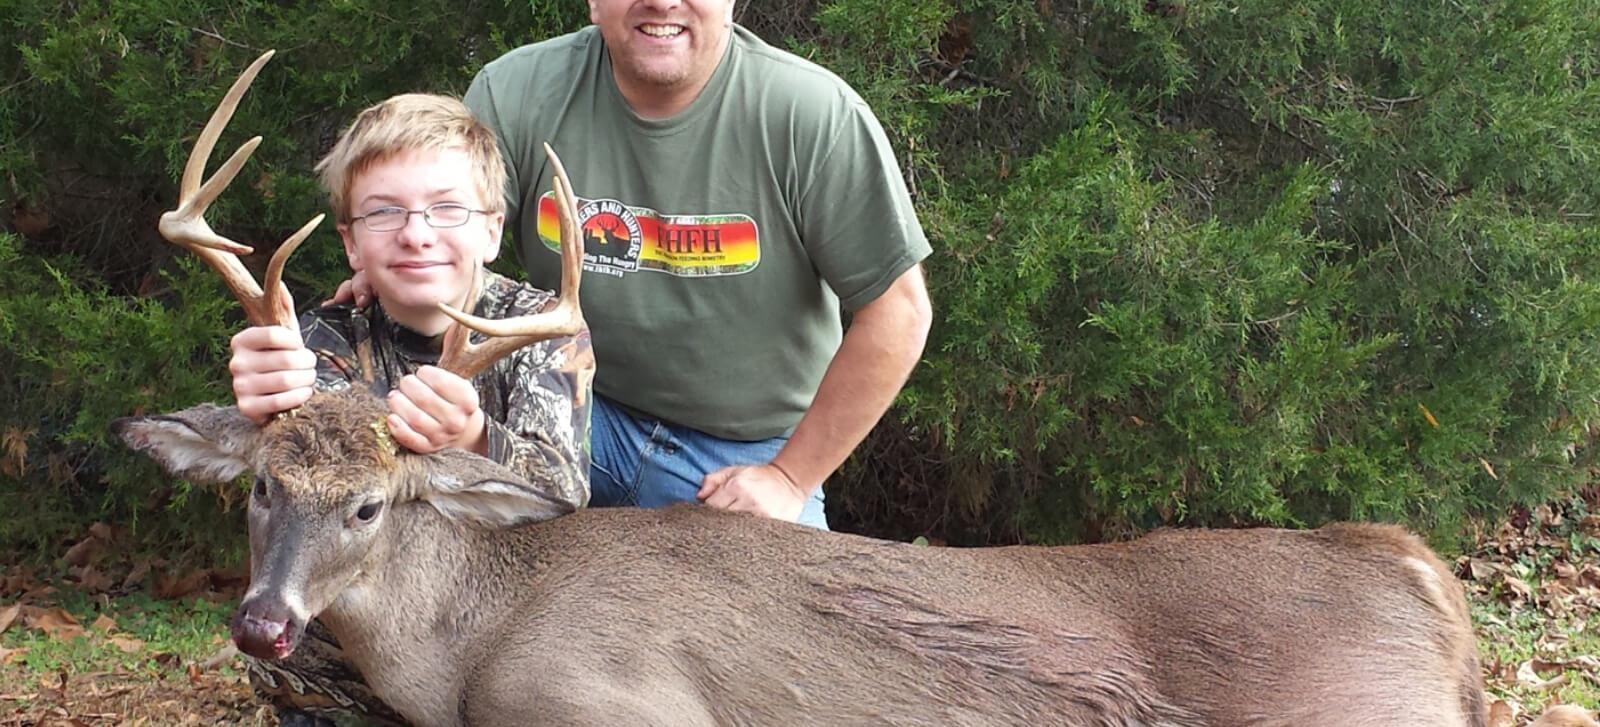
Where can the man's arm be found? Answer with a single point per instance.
(882, 345)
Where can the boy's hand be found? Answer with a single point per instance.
(272, 371)
(434, 409)
(356, 290)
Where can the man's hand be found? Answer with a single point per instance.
(272, 369)
(434, 409)
(761, 489)
(355, 289)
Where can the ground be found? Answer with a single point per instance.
(112, 640)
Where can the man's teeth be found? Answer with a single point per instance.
(662, 31)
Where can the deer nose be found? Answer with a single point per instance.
(264, 631)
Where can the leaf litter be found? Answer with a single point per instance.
(148, 687)
(1542, 566)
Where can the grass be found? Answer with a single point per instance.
(165, 632)
(1509, 636)
(130, 659)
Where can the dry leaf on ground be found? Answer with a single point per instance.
(83, 551)
(1591, 525)
(1501, 714)
(1518, 587)
(93, 580)
(136, 575)
(127, 644)
(1528, 676)
(8, 615)
(169, 586)
(54, 622)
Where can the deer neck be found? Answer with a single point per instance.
(402, 620)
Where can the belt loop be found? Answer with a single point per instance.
(661, 436)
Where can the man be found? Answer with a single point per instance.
(732, 196)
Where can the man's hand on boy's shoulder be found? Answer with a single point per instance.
(433, 409)
(355, 290)
(272, 370)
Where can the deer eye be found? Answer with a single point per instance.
(368, 511)
(259, 491)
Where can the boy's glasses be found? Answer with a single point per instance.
(443, 214)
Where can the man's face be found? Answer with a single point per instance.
(413, 268)
(663, 45)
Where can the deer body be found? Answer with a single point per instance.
(467, 597)
(690, 616)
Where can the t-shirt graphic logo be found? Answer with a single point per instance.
(620, 238)
(611, 237)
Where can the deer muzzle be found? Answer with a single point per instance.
(266, 630)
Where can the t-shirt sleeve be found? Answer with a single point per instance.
(857, 219)
(481, 101)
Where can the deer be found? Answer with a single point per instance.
(452, 583)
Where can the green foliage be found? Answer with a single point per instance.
(73, 357)
(104, 100)
(1195, 263)
(1270, 262)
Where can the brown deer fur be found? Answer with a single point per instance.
(692, 616)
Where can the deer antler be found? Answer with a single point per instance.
(186, 226)
(467, 359)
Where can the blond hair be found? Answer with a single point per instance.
(412, 122)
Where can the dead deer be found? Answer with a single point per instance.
(453, 585)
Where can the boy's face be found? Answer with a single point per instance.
(417, 266)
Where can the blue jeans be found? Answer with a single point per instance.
(643, 462)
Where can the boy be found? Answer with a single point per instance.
(416, 184)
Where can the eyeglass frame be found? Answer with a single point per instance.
(426, 217)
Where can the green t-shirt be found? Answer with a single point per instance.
(720, 243)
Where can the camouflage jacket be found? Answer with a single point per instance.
(536, 401)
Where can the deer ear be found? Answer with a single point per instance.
(205, 443)
(465, 486)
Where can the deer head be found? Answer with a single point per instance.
(326, 480)
(327, 475)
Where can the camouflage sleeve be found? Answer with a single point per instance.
(544, 435)
(336, 364)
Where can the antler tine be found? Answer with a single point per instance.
(214, 126)
(467, 359)
(274, 277)
(187, 227)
